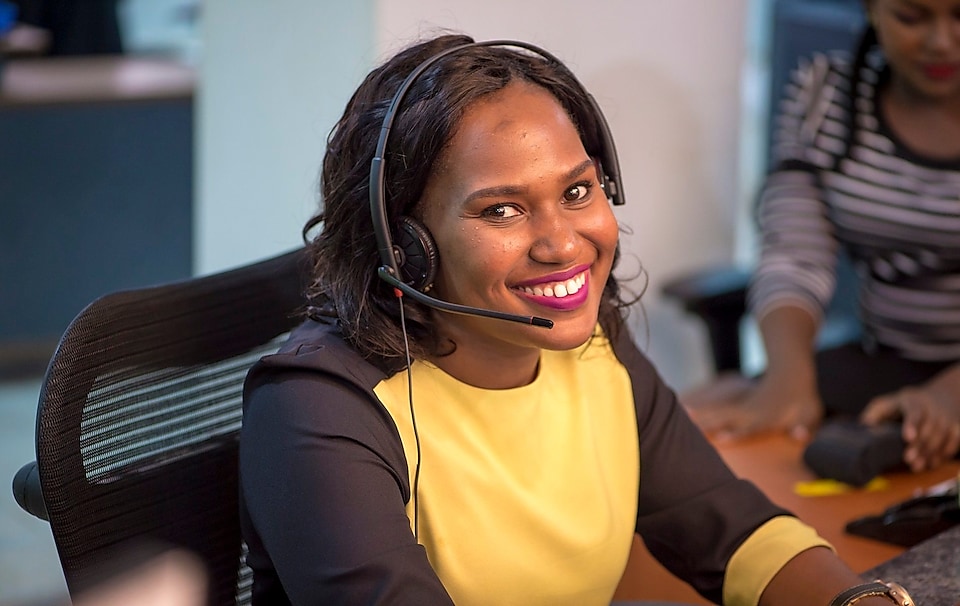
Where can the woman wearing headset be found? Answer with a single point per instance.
(394, 452)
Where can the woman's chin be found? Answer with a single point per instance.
(566, 336)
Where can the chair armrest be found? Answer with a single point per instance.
(711, 288)
(718, 295)
(26, 490)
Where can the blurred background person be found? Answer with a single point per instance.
(866, 162)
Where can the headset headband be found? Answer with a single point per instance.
(378, 207)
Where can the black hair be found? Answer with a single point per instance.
(866, 44)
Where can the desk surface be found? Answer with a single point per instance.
(774, 463)
(932, 567)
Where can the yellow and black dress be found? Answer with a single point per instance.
(525, 496)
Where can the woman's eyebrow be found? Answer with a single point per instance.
(496, 191)
(579, 169)
(515, 190)
(909, 4)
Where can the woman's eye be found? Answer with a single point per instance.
(501, 211)
(577, 192)
(907, 18)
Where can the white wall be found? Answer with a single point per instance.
(274, 77)
(667, 75)
(666, 72)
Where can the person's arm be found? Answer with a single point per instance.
(931, 418)
(693, 513)
(784, 398)
(788, 388)
(696, 517)
(814, 576)
(795, 277)
(788, 338)
(324, 482)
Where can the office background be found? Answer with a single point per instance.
(683, 83)
(669, 75)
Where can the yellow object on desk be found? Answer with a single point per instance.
(826, 487)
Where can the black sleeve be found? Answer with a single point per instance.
(324, 482)
(693, 512)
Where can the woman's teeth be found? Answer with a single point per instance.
(558, 289)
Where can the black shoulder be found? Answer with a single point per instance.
(318, 346)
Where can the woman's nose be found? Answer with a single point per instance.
(944, 34)
(555, 239)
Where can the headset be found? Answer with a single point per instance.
(409, 261)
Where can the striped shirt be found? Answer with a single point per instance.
(896, 213)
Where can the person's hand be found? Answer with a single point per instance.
(931, 423)
(734, 407)
(174, 577)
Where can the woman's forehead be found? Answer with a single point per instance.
(514, 140)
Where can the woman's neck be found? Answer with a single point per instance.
(929, 126)
(479, 366)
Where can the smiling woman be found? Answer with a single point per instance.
(462, 416)
(515, 182)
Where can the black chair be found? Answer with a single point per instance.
(138, 422)
(717, 296)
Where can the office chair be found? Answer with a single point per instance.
(717, 296)
(139, 418)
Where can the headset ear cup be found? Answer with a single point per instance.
(416, 254)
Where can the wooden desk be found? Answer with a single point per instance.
(774, 463)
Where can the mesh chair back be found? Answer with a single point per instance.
(139, 419)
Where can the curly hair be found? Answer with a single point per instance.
(344, 250)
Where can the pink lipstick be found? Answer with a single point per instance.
(940, 71)
(562, 291)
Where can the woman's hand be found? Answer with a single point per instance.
(784, 399)
(931, 419)
(734, 407)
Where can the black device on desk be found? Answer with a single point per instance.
(854, 453)
(912, 521)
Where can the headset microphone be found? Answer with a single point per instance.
(386, 276)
